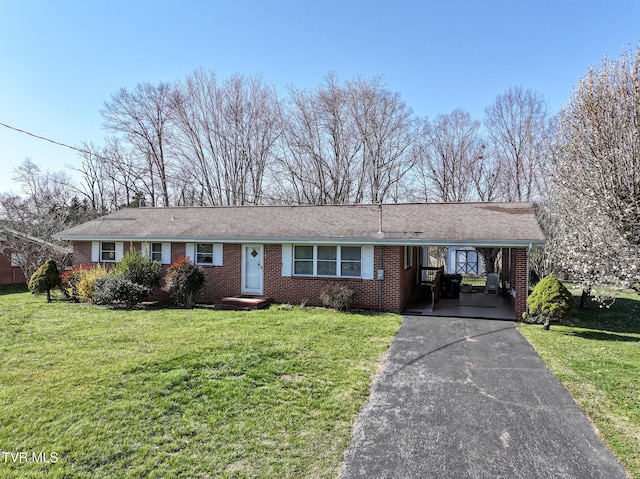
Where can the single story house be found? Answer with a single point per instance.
(291, 253)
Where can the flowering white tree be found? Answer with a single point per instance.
(596, 183)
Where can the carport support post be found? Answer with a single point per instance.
(521, 281)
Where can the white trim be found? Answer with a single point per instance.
(325, 241)
(287, 259)
(166, 253)
(119, 251)
(190, 251)
(217, 254)
(95, 251)
(367, 262)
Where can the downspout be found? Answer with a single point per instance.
(380, 270)
(528, 278)
(380, 278)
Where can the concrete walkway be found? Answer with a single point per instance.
(470, 398)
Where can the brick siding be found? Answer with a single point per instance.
(9, 274)
(226, 280)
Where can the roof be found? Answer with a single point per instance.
(61, 249)
(474, 224)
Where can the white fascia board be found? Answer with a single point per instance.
(342, 241)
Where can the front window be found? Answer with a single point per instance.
(108, 251)
(303, 260)
(327, 260)
(351, 261)
(156, 252)
(204, 253)
(342, 261)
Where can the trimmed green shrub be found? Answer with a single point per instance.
(337, 296)
(550, 300)
(139, 269)
(115, 288)
(45, 278)
(183, 280)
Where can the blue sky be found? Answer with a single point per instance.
(61, 60)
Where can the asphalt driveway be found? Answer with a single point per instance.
(470, 398)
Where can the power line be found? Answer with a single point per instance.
(74, 148)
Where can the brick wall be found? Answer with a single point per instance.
(9, 274)
(521, 286)
(226, 280)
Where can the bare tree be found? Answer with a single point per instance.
(451, 157)
(348, 143)
(144, 117)
(517, 126)
(45, 207)
(226, 138)
(387, 129)
(319, 163)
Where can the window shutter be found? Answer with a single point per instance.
(190, 251)
(367, 262)
(119, 251)
(95, 251)
(217, 254)
(166, 253)
(145, 249)
(287, 256)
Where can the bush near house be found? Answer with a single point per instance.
(45, 278)
(183, 280)
(116, 288)
(86, 281)
(130, 282)
(550, 300)
(337, 296)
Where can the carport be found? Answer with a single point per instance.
(439, 294)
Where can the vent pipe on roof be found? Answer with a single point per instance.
(379, 218)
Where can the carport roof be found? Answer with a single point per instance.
(473, 224)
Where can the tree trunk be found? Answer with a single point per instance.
(547, 324)
(48, 296)
(584, 298)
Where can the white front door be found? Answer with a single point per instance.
(252, 269)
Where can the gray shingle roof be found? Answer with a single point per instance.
(500, 224)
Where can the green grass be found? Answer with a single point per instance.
(597, 357)
(172, 393)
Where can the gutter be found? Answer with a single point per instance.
(496, 243)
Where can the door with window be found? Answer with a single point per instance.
(252, 269)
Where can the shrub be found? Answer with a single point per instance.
(115, 288)
(139, 269)
(71, 278)
(183, 280)
(337, 296)
(550, 300)
(45, 278)
(85, 284)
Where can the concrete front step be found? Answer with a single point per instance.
(243, 302)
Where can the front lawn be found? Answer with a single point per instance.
(169, 393)
(598, 360)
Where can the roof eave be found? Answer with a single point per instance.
(361, 240)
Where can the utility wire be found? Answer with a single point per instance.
(75, 148)
(80, 150)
